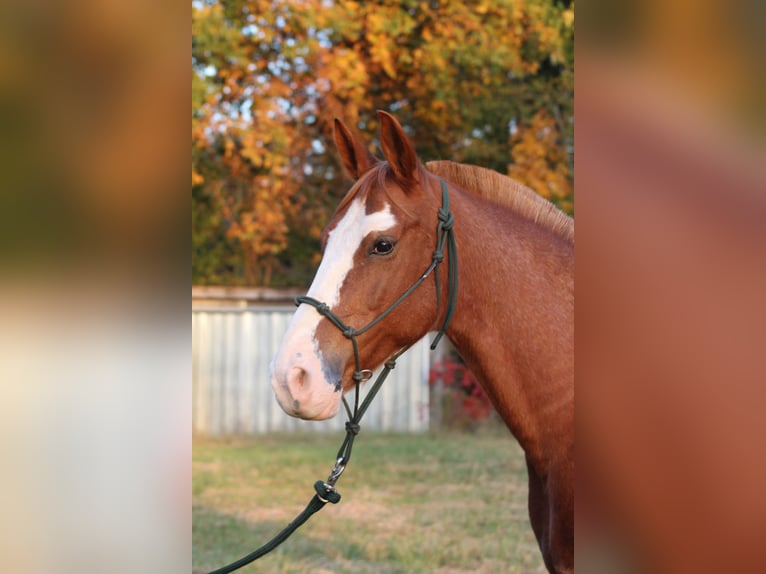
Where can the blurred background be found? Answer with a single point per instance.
(488, 83)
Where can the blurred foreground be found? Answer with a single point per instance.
(671, 323)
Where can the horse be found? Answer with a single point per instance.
(512, 320)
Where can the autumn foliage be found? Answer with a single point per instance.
(487, 82)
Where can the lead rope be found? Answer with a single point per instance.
(325, 489)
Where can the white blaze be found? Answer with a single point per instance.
(299, 347)
(342, 244)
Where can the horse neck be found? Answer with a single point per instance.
(514, 321)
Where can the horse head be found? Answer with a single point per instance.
(378, 243)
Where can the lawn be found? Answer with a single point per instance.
(432, 503)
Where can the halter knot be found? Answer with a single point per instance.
(446, 219)
(352, 428)
(438, 256)
(323, 309)
(348, 332)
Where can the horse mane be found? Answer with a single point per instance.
(503, 190)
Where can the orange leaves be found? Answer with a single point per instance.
(540, 160)
(381, 28)
(257, 214)
(344, 74)
(567, 17)
(261, 147)
(381, 55)
(269, 75)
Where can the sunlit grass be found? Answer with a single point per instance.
(448, 503)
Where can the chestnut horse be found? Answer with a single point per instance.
(513, 322)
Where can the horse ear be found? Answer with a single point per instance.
(397, 148)
(356, 158)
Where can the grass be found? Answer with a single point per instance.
(433, 503)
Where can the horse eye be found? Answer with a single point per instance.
(382, 247)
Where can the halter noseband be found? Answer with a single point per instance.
(445, 235)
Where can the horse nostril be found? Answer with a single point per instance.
(296, 378)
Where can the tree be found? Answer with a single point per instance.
(487, 82)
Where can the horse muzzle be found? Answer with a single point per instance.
(304, 387)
